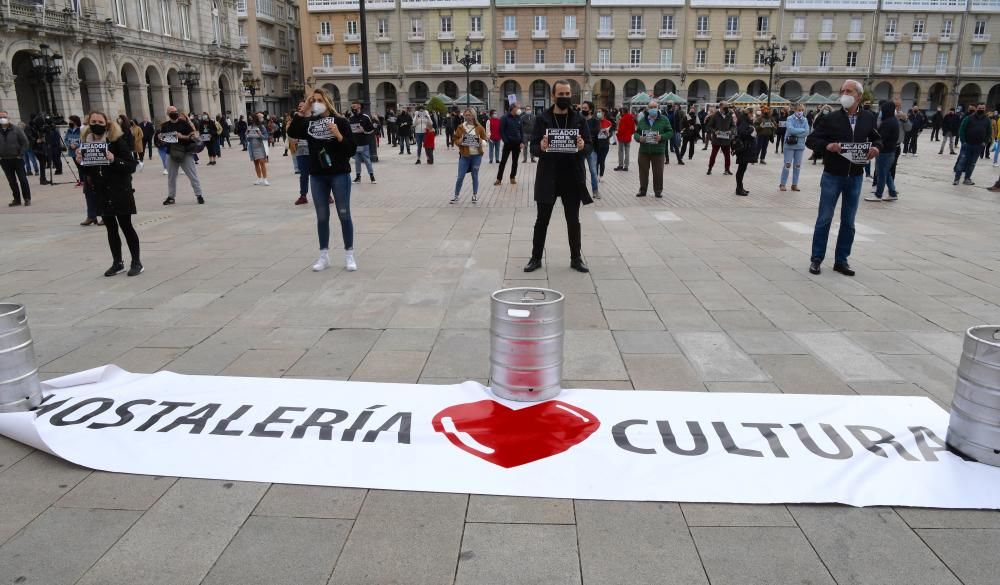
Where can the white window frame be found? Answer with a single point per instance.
(143, 10)
(476, 23)
(700, 57)
(729, 58)
(826, 25)
(916, 56)
(943, 57)
(166, 18)
(856, 24)
(888, 58)
(667, 22)
(799, 24)
(605, 22)
(510, 57)
(382, 27)
(385, 60)
(539, 22)
(919, 26)
(416, 25)
(446, 57)
(852, 59)
(327, 59)
(604, 56)
(732, 23)
(569, 22)
(890, 26)
(185, 12)
(635, 56)
(417, 59)
(635, 22)
(119, 9)
(979, 28)
(351, 26)
(666, 57)
(324, 27)
(947, 25)
(702, 23)
(446, 24)
(569, 56)
(539, 56)
(824, 58)
(510, 23)
(977, 59)
(766, 20)
(796, 58)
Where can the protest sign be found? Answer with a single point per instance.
(562, 140)
(856, 152)
(94, 154)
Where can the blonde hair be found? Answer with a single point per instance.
(113, 132)
(326, 99)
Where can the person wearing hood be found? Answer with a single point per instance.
(13, 144)
(889, 129)
(975, 132)
(111, 185)
(842, 177)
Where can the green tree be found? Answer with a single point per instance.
(436, 105)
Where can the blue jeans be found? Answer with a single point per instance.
(340, 185)
(793, 160)
(883, 177)
(467, 164)
(404, 141)
(592, 166)
(303, 166)
(967, 158)
(420, 144)
(831, 189)
(494, 150)
(30, 160)
(163, 155)
(362, 156)
(996, 150)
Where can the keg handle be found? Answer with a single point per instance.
(519, 313)
(526, 296)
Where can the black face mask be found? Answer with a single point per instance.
(98, 129)
(562, 103)
(172, 116)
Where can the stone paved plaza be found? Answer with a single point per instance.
(700, 291)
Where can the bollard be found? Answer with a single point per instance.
(974, 427)
(526, 344)
(19, 385)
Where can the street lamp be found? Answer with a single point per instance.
(469, 59)
(252, 85)
(771, 54)
(189, 76)
(48, 66)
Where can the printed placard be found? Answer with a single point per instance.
(391, 119)
(357, 129)
(856, 152)
(206, 137)
(650, 136)
(782, 124)
(562, 140)
(73, 144)
(724, 134)
(94, 154)
(602, 134)
(320, 130)
(470, 139)
(254, 133)
(169, 138)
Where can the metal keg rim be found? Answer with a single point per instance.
(973, 332)
(528, 303)
(10, 309)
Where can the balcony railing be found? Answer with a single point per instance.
(323, 39)
(383, 37)
(733, 35)
(352, 37)
(634, 67)
(446, 35)
(336, 70)
(637, 33)
(856, 37)
(798, 36)
(668, 33)
(415, 36)
(509, 35)
(702, 34)
(539, 67)
(946, 38)
(981, 71)
(570, 33)
(244, 41)
(539, 33)
(347, 5)
(266, 42)
(983, 38)
(822, 69)
(762, 35)
(828, 36)
(918, 38)
(445, 67)
(831, 4)
(914, 69)
(890, 37)
(268, 68)
(943, 5)
(605, 34)
(476, 35)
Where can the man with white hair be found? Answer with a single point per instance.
(833, 137)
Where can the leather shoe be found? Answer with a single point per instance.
(814, 267)
(533, 265)
(843, 268)
(578, 265)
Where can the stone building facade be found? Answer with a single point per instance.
(121, 57)
(928, 52)
(269, 33)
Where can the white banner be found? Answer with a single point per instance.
(587, 444)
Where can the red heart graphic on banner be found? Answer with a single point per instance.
(508, 437)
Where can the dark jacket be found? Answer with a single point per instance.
(976, 130)
(560, 174)
(889, 128)
(313, 130)
(720, 122)
(744, 130)
(950, 123)
(112, 184)
(404, 124)
(510, 129)
(148, 129)
(836, 127)
(361, 123)
(13, 142)
(936, 120)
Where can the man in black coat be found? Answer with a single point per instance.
(949, 126)
(849, 125)
(559, 175)
(936, 120)
(404, 129)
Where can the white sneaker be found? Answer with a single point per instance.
(257, 182)
(165, 172)
(266, 183)
(349, 262)
(454, 199)
(324, 261)
(140, 166)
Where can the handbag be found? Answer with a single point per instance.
(791, 140)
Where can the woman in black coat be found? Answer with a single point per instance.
(744, 147)
(111, 185)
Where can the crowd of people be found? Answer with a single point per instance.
(570, 142)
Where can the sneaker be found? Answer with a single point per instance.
(994, 188)
(955, 182)
(357, 179)
(201, 200)
(170, 200)
(372, 177)
(27, 202)
(475, 198)
(349, 262)
(141, 164)
(872, 198)
(14, 204)
(454, 199)
(597, 194)
(968, 182)
(418, 161)
(301, 200)
(165, 172)
(116, 268)
(258, 182)
(266, 183)
(136, 269)
(892, 197)
(323, 262)
(497, 183)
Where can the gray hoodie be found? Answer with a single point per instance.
(13, 142)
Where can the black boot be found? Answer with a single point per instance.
(575, 243)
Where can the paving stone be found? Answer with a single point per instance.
(307, 501)
(870, 546)
(583, 311)
(79, 537)
(513, 510)
(947, 346)
(180, 537)
(518, 554)
(633, 321)
(970, 554)
(715, 357)
(717, 296)
(682, 313)
(636, 543)
(30, 486)
(767, 342)
(11, 452)
(745, 387)
(116, 491)
(885, 342)
(592, 355)
(850, 361)
(336, 354)
(736, 515)
(786, 313)
(931, 518)
(801, 374)
(415, 536)
(621, 295)
(270, 363)
(645, 342)
(270, 551)
(406, 340)
(930, 372)
(180, 337)
(657, 280)
(662, 372)
(742, 320)
(759, 555)
(850, 321)
(290, 338)
(472, 346)
(391, 366)
(598, 384)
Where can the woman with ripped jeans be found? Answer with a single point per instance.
(796, 130)
(331, 147)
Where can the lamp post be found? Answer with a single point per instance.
(252, 85)
(466, 57)
(189, 76)
(48, 66)
(771, 54)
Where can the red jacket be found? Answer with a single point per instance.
(626, 127)
(429, 139)
(495, 129)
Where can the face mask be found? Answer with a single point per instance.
(798, 114)
(652, 113)
(600, 115)
(847, 101)
(173, 115)
(318, 108)
(4, 121)
(356, 110)
(725, 110)
(97, 129)
(586, 113)
(562, 103)
(204, 118)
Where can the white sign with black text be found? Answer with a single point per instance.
(856, 152)
(94, 154)
(587, 444)
(562, 140)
